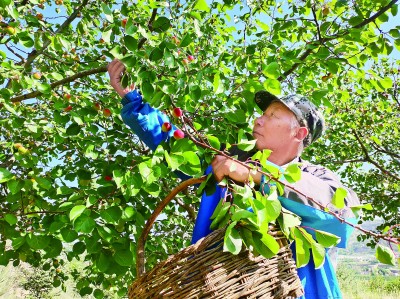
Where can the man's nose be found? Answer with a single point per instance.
(259, 121)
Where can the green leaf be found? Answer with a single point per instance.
(385, 255)
(218, 84)
(112, 214)
(221, 214)
(147, 89)
(386, 82)
(156, 54)
(272, 70)
(326, 239)
(54, 249)
(76, 212)
(260, 247)
(214, 141)
(4, 3)
(107, 11)
(270, 242)
(161, 24)
(186, 41)
(338, 198)
(73, 129)
(37, 242)
(246, 145)
(103, 262)
(124, 258)
(131, 43)
(15, 186)
(201, 5)
(69, 235)
(356, 209)
(11, 219)
(292, 173)
(5, 175)
(173, 161)
(302, 253)
(84, 224)
(44, 183)
(18, 242)
(318, 253)
(273, 86)
(232, 239)
(242, 214)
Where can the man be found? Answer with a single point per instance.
(287, 126)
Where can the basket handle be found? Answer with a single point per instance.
(142, 240)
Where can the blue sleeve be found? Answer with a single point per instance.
(313, 218)
(145, 120)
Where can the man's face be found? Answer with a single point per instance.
(276, 128)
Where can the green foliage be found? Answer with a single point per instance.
(58, 150)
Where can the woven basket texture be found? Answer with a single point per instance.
(203, 270)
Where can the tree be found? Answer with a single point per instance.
(72, 174)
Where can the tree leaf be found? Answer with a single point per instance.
(161, 24)
(326, 239)
(318, 253)
(124, 258)
(272, 70)
(201, 5)
(112, 214)
(273, 86)
(338, 198)
(11, 219)
(84, 224)
(292, 173)
(76, 212)
(385, 255)
(5, 175)
(37, 242)
(232, 239)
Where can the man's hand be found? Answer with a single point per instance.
(115, 70)
(225, 167)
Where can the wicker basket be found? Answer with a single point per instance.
(203, 270)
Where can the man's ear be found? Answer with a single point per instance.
(302, 133)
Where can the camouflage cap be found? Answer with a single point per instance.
(306, 112)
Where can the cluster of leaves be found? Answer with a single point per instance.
(247, 214)
(76, 182)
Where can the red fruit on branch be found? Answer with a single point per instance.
(67, 109)
(191, 57)
(107, 112)
(166, 127)
(123, 22)
(176, 40)
(178, 134)
(108, 178)
(185, 61)
(67, 96)
(97, 106)
(177, 112)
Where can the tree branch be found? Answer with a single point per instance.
(35, 53)
(188, 208)
(150, 26)
(344, 33)
(36, 93)
(100, 69)
(368, 158)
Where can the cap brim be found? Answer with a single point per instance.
(263, 99)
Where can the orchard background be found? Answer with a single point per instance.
(77, 184)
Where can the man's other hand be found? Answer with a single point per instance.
(225, 167)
